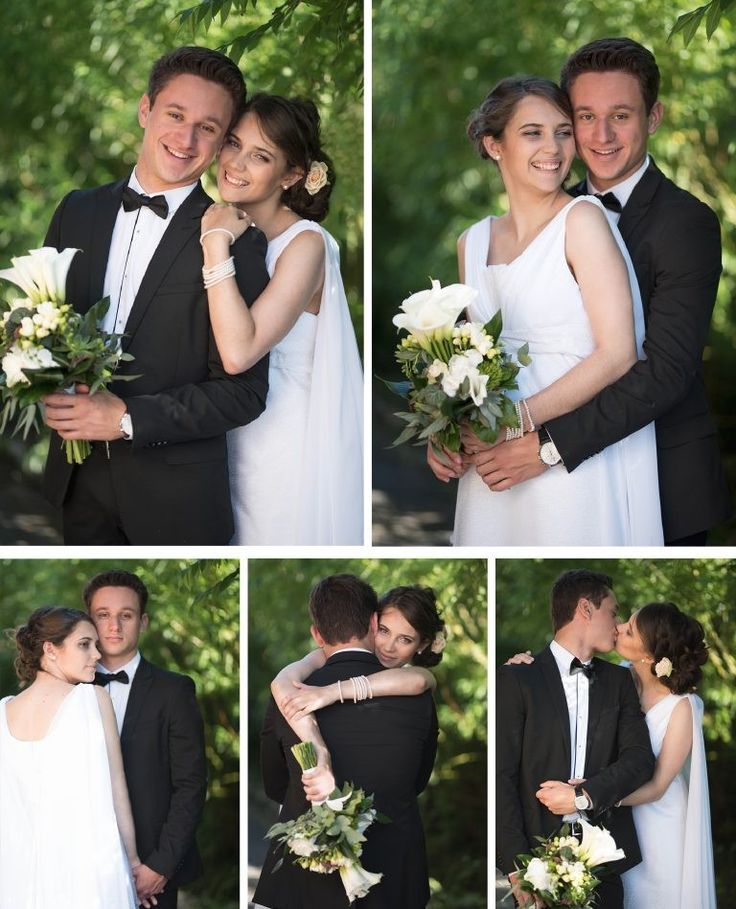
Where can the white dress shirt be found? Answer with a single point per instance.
(119, 693)
(622, 191)
(135, 238)
(577, 691)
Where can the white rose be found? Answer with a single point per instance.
(598, 846)
(437, 308)
(538, 876)
(17, 359)
(301, 846)
(316, 178)
(436, 370)
(357, 881)
(464, 366)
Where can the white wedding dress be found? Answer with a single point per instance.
(59, 841)
(674, 832)
(296, 473)
(613, 497)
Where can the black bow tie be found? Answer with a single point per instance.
(133, 200)
(588, 669)
(609, 201)
(104, 678)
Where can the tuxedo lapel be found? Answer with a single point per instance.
(640, 199)
(101, 225)
(183, 226)
(139, 689)
(553, 683)
(597, 696)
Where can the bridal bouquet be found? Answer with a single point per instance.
(45, 346)
(456, 372)
(329, 837)
(561, 870)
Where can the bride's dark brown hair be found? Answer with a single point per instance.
(667, 632)
(47, 623)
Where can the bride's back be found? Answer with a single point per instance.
(31, 713)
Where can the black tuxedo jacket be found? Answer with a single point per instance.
(533, 745)
(162, 741)
(674, 242)
(385, 746)
(171, 481)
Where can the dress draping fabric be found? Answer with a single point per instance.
(59, 841)
(613, 497)
(674, 832)
(296, 473)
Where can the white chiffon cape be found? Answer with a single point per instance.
(297, 471)
(59, 841)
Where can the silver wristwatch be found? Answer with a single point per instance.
(582, 801)
(548, 453)
(126, 427)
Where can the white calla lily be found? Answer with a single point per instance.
(435, 309)
(357, 881)
(41, 274)
(598, 846)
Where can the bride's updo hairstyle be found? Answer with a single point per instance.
(418, 605)
(48, 623)
(499, 105)
(667, 632)
(293, 125)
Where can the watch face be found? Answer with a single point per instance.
(549, 454)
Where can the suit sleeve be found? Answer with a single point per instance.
(511, 839)
(634, 765)
(222, 402)
(687, 262)
(429, 752)
(188, 768)
(274, 769)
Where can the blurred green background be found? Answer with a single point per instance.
(704, 589)
(454, 804)
(433, 63)
(194, 629)
(72, 75)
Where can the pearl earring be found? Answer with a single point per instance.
(284, 187)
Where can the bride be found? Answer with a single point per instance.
(410, 639)
(296, 473)
(671, 812)
(564, 283)
(66, 827)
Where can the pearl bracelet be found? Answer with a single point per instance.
(217, 273)
(222, 230)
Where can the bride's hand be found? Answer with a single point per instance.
(319, 783)
(222, 216)
(308, 699)
(448, 466)
(472, 444)
(519, 659)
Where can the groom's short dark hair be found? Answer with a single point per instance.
(570, 587)
(615, 54)
(341, 607)
(116, 577)
(198, 61)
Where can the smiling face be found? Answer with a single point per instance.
(537, 146)
(251, 168)
(116, 614)
(612, 125)
(77, 655)
(183, 131)
(396, 640)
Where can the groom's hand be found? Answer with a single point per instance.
(148, 883)
(84, 416)
(510, 463)
(557, 797)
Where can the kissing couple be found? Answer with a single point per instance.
(581, 738)
(364, 700)
(227, 310)
(102, 786)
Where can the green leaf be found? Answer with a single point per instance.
(494, 327)
(714, 17)
(522, 355)
(688, 24)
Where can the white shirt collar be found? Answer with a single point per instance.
(622, 191)
(351, 649)
(563, 658)
(130, 667)
(174, 197)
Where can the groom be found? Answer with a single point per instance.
(158, 469)
(675, 246)
(384, 745)
(161, 738)
(569, 716)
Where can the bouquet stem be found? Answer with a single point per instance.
(76, 450)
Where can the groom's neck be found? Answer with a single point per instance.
(329, 649)
(573, 640)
